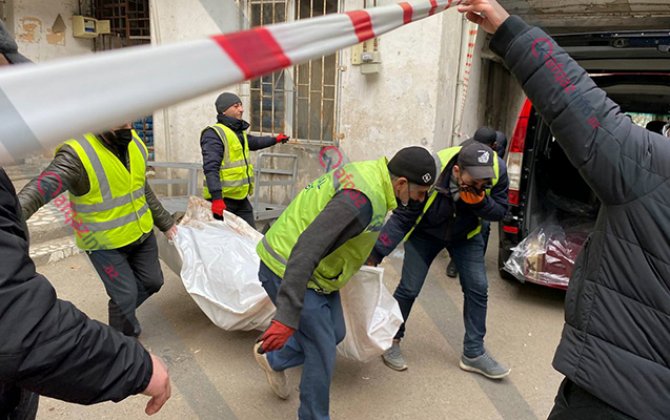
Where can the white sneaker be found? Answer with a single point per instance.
(277, 379)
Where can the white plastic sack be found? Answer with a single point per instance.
(371, 314)
(220, 268)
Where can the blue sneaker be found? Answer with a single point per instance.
(485, 365)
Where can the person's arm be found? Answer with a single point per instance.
(162, 219)
(611, 153)
(212, 156)
(50, 347)
(343, 218)
(261, 142)
(394, 231)
(494, 206)
(64, 173)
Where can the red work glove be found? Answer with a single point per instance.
(282, 138)
(218, 206)
(275, 336)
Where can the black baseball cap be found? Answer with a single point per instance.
(477, 160)
(416, 164)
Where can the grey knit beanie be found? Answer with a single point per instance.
(225, 101)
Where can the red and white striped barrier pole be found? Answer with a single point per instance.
(42, 105)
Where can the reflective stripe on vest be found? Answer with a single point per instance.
(445, 156)
(236, 174)
(370, 179)
(114, 212)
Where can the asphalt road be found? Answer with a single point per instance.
(215, 376)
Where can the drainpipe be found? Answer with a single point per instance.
(467, 42)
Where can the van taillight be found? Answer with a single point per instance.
(515, 154)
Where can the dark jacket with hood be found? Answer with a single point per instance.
(446, 220)
(616, 338)
(69, 170)
(212, 150)
(47, 345)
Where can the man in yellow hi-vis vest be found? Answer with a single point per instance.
(312, 250)
(112, 210)
(229, 174)
(468, 190)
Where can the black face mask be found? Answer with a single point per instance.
(411, 203)
(120, 137)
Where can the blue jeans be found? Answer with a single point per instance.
(420, 251)
(312, 345)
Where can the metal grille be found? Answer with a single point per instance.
(129, 21)
(300, 100)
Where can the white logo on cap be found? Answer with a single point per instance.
(426, 177)
(483, 157)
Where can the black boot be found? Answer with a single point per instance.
(451, 269)
(120, 323)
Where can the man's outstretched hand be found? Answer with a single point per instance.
(275, 336)
(486, 13)
(159, 387)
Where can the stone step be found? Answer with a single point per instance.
(49, 252)
(47, 224)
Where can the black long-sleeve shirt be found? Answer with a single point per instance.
(47, 345)
(338, 222)
(212, 150)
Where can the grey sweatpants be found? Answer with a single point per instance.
(130, 274)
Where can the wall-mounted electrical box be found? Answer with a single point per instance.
(367, 55)
(103, 27)
(84, 27)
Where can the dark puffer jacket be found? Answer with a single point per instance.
(616, 338)
(47, 345)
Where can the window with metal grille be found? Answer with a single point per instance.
(298, 100)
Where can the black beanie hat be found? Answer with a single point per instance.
(485, 135)
(225, 101)
(416, 164)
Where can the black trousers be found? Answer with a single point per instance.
(130, 274)
(574, 403)
(241, 208)
(17, 403)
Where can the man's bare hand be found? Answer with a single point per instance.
(159, 387)
(486, 13)
(171, 233)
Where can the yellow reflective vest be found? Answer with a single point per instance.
(114, 212)
(445, 156)
(237, 173)
(371, 178)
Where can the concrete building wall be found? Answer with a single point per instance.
(32, 22)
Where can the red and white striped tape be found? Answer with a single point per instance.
(42, 105)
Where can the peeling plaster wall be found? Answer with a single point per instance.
(32, 22)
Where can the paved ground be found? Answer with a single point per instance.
(215, 377)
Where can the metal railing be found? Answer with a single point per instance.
(191, 181)
(288, 170)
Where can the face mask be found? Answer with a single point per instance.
(120, 137)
